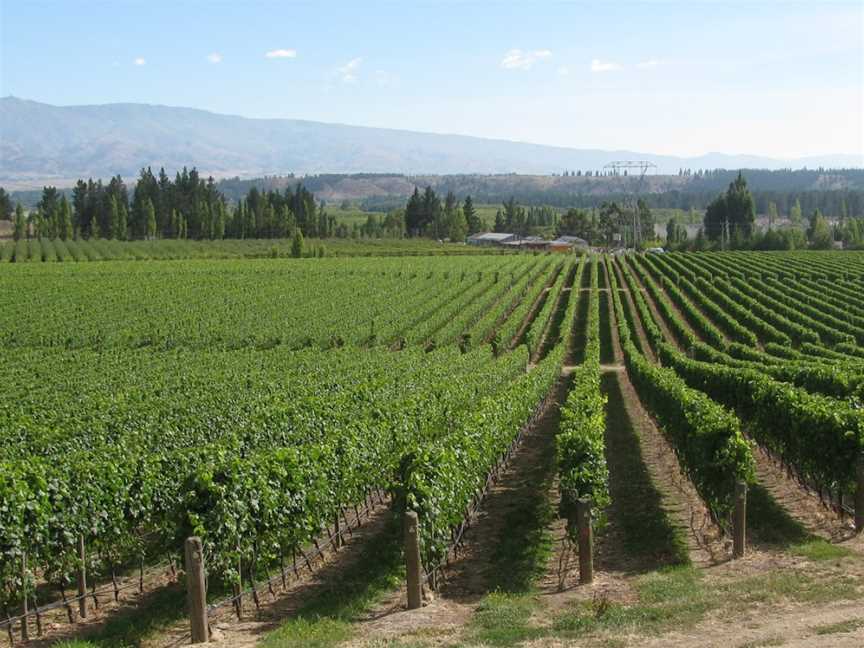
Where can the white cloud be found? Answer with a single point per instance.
(281, 53)
(650, 63)
(348, 72)
(563, 70)
(215, 57)
(516, 59)
(140, 61)
(604, 66)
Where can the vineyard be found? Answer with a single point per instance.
(265, 405)
(46, 250)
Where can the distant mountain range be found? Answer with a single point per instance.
(41, 143)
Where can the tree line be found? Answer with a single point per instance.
(730, 223)
(613, 223)
(187, 206)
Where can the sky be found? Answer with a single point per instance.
(775, 78)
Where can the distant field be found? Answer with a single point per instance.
(359, 216)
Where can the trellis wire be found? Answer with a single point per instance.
(308, 557)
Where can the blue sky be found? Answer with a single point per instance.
(771, 78)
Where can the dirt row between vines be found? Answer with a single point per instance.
(680, 500)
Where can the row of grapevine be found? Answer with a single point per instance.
(84, 250)
(674, 282)
(253, 474)
(703, 326)
(580, 443)
(706, 437)
(463, 321)
(819, 435)
(508, 316)
(440, 479)
(541, 326)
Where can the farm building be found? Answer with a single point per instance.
(566, 244)
(490, 238)
(527, 243)
(514, 241)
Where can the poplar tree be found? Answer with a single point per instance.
(150, 218)
(6, 208)
(471, 218)
(122, 222)
(458, 226)
(795, 214)
(20, 223)
(219, 225)
(297, 244)
(772, 214)
(64, 222)
(113, 218)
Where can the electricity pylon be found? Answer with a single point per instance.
(632, 197)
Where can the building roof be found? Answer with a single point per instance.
(569, 241)
(491, 236)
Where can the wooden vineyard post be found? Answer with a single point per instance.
(196, 589)
(739, 520)
(586, 540)
(859, 493)
(25, 630)
(82, 578)
(412, 560)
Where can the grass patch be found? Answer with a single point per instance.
(504, 620)
(670, 598)
(678, 598)
(818, 549)
(838, 628)
(670, 584)
(788, 586)
(326, 619)
(589, 618)
(311, 632)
